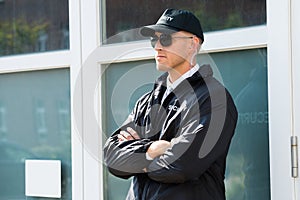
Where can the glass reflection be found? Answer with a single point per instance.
(33, 26)
(122, 19)
(34, 124)
(248, 174)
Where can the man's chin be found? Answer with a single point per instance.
(162, 67)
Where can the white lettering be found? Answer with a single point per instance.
(169, 18)
(173, 107)
(254, 118)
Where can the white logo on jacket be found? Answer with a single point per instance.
(172, 107)
(167, 123)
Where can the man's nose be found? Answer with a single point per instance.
(158, 46)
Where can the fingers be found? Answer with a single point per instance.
(133, 133)
(129, 134)
(124, 136)
(121, 136)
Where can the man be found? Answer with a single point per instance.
(175, 142)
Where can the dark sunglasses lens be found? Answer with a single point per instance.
(153, 41)
(165, 40)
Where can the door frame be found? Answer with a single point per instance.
(282, 82)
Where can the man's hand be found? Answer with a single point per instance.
(158, 147)
(129, 134)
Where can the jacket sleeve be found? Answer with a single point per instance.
(203, 140)
(126, 158)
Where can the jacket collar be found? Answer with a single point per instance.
(204, 72)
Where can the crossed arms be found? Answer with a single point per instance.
(156, 148)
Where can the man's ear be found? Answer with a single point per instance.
(197, 40)
(194, 46)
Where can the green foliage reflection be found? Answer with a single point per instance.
(19, 36)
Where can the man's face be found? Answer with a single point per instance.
(176, 55)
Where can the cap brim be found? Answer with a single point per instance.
(148, 31)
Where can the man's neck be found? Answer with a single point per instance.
(176, 73)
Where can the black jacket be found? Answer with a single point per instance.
(199, 118)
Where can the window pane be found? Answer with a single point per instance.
(34, 124)
(123, 17)
(245, 76)
(33, 26)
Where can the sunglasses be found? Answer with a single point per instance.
(165, 39)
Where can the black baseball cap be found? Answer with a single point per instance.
(173, 20)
